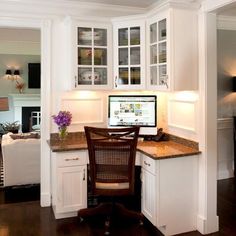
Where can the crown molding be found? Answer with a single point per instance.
(62, 7)
(226, 22)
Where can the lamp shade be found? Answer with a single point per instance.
(16, 72)
(234, 84)
(8, 72)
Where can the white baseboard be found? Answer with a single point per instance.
(45, 199)
(206, 227)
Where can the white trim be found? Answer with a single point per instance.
(45, 27)
(45, 111)
(225, 123)
(226, 22)
(207, 221)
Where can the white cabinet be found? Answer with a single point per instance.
(129, 54)
(149, 193)
(69, 182)
(92, 55)
(172, 50)
(169, 193)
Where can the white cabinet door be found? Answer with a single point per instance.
(92, 55)
(149, 192)
(172, 62)
(129, 54)
(158, 60)
(72, 188)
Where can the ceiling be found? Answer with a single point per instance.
(130, 3)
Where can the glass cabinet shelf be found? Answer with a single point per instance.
(92, 56)
(158, 54)
(129, 53)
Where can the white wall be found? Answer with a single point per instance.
(8, 86)
(226, 60)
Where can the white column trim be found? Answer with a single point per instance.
(207, 219)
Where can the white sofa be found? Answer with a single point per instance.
(21, 161)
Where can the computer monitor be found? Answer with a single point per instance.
(130, 110)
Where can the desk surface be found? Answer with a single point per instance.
(155, 150)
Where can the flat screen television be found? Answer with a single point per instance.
(34, 75)
(133, 110)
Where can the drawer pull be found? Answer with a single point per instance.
(147, 164)
(72, 159)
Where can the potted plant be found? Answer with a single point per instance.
(11, 126)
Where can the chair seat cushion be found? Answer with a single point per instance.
(100, 185)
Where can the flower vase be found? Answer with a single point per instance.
(63, 133)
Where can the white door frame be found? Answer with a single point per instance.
(45, 27)
(207, 220)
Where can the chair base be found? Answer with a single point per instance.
(109, 210)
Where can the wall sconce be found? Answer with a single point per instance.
(16, 74)
(8, 74)
(12, 76)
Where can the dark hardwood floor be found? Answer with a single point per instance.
(24, 217)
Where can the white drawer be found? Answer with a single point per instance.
(71, 158)
(149, 164)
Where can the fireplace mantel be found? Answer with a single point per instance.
(24, 100)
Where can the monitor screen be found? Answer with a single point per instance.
(130, 110)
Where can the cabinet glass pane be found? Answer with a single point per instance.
(123, 56)
(162, 30)
(100, 56)
(153, 33)
(84, 36)
(100, 76)
(84, 56)
(100, 37)
(153, 54)
(162, 52)
(123, 37)
(135, 56)
(135, 75)
(163, 75)
(153, 75)
(85, 76)
(134, 35)
(123, 76)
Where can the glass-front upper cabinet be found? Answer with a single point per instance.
(157, 55)
(93, 57)
(129, 55)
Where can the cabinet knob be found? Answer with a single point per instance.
(72, 159)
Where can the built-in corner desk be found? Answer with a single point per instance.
(169, 176)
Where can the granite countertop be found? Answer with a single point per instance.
(155, 150)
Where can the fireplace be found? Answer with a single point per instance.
(26, 115)
(21, 101)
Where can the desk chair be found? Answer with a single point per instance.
(112, 168)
